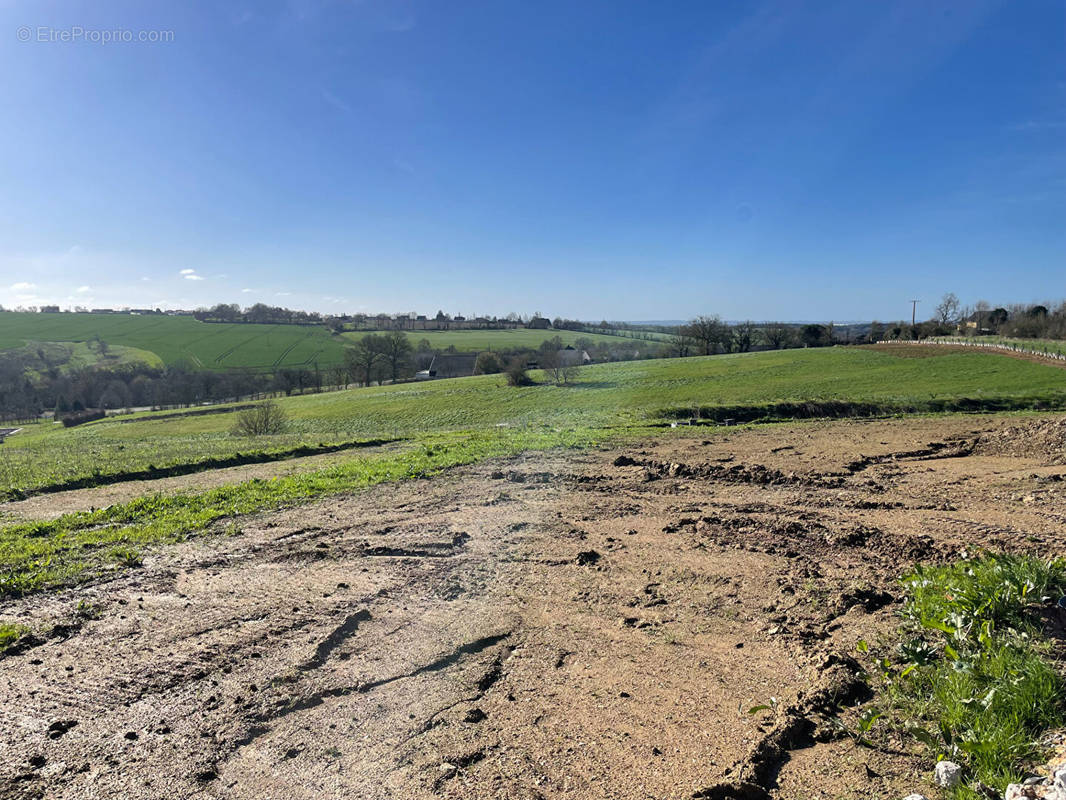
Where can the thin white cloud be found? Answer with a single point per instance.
(193, 277)
(282, 294)
(83, 289)
(247, 291)
(23, 286)
(336, 102)
(187, 272)
(1039, 125)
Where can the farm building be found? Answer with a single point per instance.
(569, 357)
(449, 365)
(539, 324)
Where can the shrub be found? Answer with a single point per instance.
(516, 373)
(78, 417)
(487, 364)
(260, 420)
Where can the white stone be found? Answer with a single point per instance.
(1020, 791)
(947, 774)
(915, 797)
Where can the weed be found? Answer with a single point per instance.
(971, 678)
(86, 610)
(124, 556)
(10, 633)
(863, 725)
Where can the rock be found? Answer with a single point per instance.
(57, 729)
(623, 461)
(915, 797)
(587, 557)
(947, 774)
(446, 767)
(475, 715)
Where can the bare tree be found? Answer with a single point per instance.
(709, 332)
(947, 310)
(362, 359)
(743, 336)
(396, 351)
(777, 335)
(338, 375)
(553, 365)
(681, 343)
(260, 420)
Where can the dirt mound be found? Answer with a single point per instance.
(1041, 438)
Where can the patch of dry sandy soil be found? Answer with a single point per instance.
(562, 625)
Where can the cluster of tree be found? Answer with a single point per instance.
(26, 390)
(377, 357)
(708, 335)
(260, 312)
(950, 317)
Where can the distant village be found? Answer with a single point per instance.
(264, 314)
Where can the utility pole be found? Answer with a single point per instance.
(914, 308)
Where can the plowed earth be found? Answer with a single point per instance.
(563, 625)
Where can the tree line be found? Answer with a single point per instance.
(709, 335)
(950, 317)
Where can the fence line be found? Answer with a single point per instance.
(1006, 346)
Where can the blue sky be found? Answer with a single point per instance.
(619, 159)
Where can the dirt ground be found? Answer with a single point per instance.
(587, 624)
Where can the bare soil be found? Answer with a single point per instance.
(563, 625)
(930, 350)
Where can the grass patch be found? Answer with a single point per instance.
(78, 546)
(10, 633)
(838, 409)
(973, 679)
(152, 472)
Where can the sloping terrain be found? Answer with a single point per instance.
(560, 625)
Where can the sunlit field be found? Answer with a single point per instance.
(602, 396)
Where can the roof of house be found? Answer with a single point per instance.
(452, 365)
(568, 356)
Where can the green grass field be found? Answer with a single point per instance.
(605, 395)
(219, 346)
(178, 340)
(477, 340)
(40, 356)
